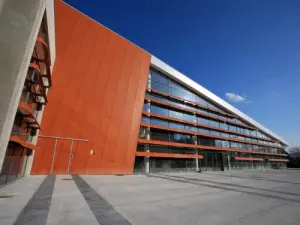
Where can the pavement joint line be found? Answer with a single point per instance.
(102, 210)
(37, 208)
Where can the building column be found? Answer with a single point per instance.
(147, 146)
(229, 163)
(197, 160)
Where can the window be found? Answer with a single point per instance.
(224, 126)
(177, 137)
(200, 101)
(145, 119)
(176, 150)
(175, 91)
(176, 125)
(224, 134)
(246, 131)
(188, 95)
(175, 84)
(218, 143)
(241, 138)
(175, 114)
(187, 106)
(214, 114)
(146, 107)
(214, 132)
(202, 111)
(143, 133)
(141, 147)
(178, 103)
(233, 136)
(213, 123)
(159, 135)
(159, 122)
(159, 148)
(203, 121)
(234, 144)
(225, 144)
(159, 110)
(189, 117)
(160, 86)
(190, 128)
(232, 128)
(189, 139)
(206, 141)
(158, 76)
(203, 130)
(254, 133)
(159, 98)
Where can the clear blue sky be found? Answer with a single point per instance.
(250, 48)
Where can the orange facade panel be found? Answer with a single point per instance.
(204, 147)
(278, 160)
(248, 159)
(99, 83)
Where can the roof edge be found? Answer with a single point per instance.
(186, 81)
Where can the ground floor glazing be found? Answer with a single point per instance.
(212, 161)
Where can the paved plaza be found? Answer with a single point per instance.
(210, 198)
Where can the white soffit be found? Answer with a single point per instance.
(183, 79)
(51, 29)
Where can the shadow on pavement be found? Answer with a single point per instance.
(253, 178)
(204, 183)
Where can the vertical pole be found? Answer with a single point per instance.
(70, 156)
(53, 156)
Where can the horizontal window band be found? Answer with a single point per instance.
(247, 159)
(198, 113)
(203, 134)
(278, 160)
(165, 143)
(189, 102)
(168, 155)
(204, 126)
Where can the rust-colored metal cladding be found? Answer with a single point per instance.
(204, 147)
(248, 159)
(278, 160)
(99, 83)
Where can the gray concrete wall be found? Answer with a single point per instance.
(19, 25)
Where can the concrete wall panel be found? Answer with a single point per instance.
(19, 25)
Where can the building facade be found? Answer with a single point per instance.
(88, 101)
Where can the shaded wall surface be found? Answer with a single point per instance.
(99, 83)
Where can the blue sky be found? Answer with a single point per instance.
(249, 49)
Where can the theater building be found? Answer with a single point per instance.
(83, 100)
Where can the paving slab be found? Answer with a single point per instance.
(266, 197)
